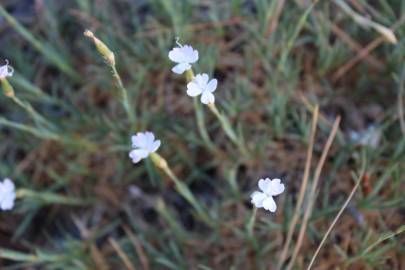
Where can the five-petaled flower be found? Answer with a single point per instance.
(184, 56)
(6, 70)
(7, 194)
(143, 143)
(201, 86)
(269, 189)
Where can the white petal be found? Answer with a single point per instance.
(205, 78)
(263, 184)
(258, 198)
(199, 80)
(180, 68)
(135, 159)
(137, 154)
(193, 89)
(134, 140)
(7, 203)
(139, 140)
(3, 71)
(155, 146)
(212, 85)
(150, 138)
(275, 187)
(269, 204)
(8, 185)
(194, 57)
(190, 55)
(176, 55)
(207, 97)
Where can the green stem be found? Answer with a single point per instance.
(226, 126)
(182, 188)
(250, 228)
(38, 118)
(201, 126)
(124, 96)
(50, 198)
(47, 51)
(43, 133)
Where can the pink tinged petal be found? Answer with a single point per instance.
(180, 68)
(207, 97)
(155, 146)
(212, 85)
(269, 204)
(264, 184)
(275, 187)
(258, 198)
(176, 55)
(193, 89)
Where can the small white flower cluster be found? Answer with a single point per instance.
(144, 143)
(7, 194)
(6, 71)
(184, 56)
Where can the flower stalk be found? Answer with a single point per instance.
(44, 128)
(109, 58)
(49, 197)
(8, 90)
(225, 123)
(183, 190)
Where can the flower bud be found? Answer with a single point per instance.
(102, 48)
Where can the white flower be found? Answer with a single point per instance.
(144, 144)
(201, 86)
(370, 137)
(184, 56)
(6, 71)
(269, 189)
(7, 194)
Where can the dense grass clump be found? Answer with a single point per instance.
(310, 93)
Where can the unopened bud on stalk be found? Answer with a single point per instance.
(102, 48)
(387, 33)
